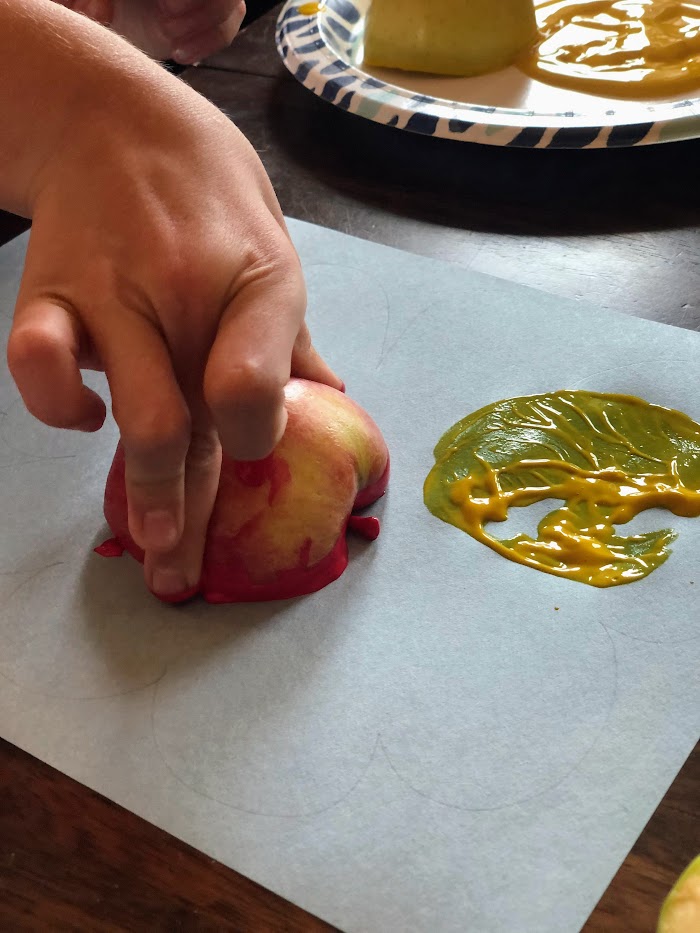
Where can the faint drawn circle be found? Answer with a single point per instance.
(51, 510)
(23, 437)
(656, 609)
(665, 382)
(505, 718)
(271, 723)
(671, 383)
(83, 636)
(354, 304)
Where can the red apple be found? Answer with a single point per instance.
(278, 525)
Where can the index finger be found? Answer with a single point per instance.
(250, 362)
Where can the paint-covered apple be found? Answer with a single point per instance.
(278, 525)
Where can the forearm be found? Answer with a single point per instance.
(60, 73)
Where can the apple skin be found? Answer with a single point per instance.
(450, 37)
(278, 526)
(680, 912)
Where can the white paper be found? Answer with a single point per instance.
(440, 740)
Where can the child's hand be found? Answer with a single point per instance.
(184, 30)
(159, 254)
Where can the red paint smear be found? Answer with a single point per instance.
(370, 494)
(367, 526)
(280, 477)
(273, 470)
(228, 581)
(305, 553)
(112, 547)
(253, 472)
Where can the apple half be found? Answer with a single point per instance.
(680, 912)
(278, 526)
(448, 37)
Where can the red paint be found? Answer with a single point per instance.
(375, 491)
(273, 470)
(305, 553)
(367, 526)
(110, 548)
(280, 476)
(228, 581)
(252, 472)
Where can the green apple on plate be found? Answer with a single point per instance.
(448, 37)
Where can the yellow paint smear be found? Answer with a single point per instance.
(605, 457)
(621, 48)
(311, 9)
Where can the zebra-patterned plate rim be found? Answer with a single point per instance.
(317, 48)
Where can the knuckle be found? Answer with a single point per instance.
(28, 346)
(156, 435)
(247, 386)
(273, 254)
(273, 262)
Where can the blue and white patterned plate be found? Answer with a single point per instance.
(323, 49)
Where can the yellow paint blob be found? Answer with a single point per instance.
(311, 9)
(620, 48)
(606, 457)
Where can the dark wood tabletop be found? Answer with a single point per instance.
(619, 228)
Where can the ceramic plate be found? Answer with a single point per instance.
(323, 48)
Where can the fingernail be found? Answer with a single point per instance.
(342, 387)
(159, 530)
(168, 582)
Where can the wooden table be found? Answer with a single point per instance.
(618, 228)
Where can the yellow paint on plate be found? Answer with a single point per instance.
(311, 9)
(623, 48)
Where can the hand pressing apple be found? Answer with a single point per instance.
(278, 525)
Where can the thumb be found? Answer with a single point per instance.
(43, 354)
(307, 362)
